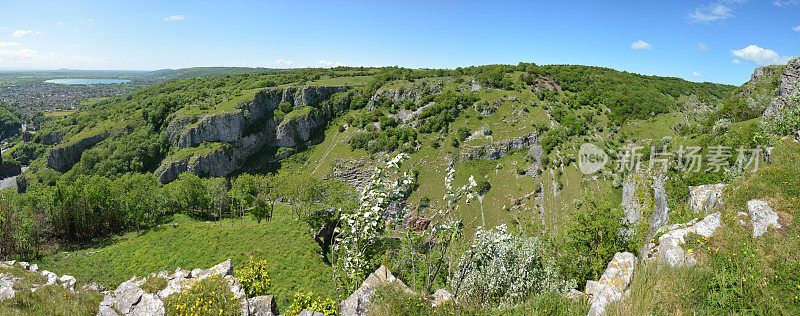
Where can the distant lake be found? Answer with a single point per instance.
(87, 81)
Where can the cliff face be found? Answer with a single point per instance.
(246, 130)
(62, 157)
(414, 93)
(787, 88)
(218, 162)
(231, 126)
(500, 149)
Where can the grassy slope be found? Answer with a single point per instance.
(287, 245)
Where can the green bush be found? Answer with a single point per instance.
(254, 277)
(312, 303)
(210, 296)
(595, 233)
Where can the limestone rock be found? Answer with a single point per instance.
(669, 250)
(297, 127)
(706, 198)
(263, 306)
(440, 297)
(762, 216)
(358, 302)
(787, 88)
(308, 313)
(130, 299)
(52, 278)
(614, 282)
(94, 287)
(7, 287)
(642, 191)
(24, 265)
(500, 149)
(68, 282)
(62, 157)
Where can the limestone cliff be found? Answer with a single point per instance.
(62, 157)
(787, 88)
(245, 130)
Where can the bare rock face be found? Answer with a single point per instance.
(787, 88)
(613, 284)
(643, 192)
(358, 302)
(762, 217)
(706, 198)
(245, 130)
(500, 149)
(63, 157)
(7, 287)
(669, 250)
(296, 130)
(414, 93)
(263, 306)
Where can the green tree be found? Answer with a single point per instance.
(142, 198)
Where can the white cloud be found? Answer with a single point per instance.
(328, 63)
(736, 61)
(32, 58)
(702, 46)
(640, 44)
(785, 3)
(697, 74)
(21, 33)
(796, 28)
(8, 44)
(59, 23)
(282, 63)
(177, 17)
(711, 12)
(87, 21)
(22, 55)
(760, 56)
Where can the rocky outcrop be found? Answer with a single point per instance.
(500, 149)
(297, 127)
(130, 299)
(613, 284)
(762, 217)
(245, 130)
(355, 172)
(217, 162)
(233, 124)
(413, 93)
(644, 198)
(358, 302)
(787, 88)
(667, 248)
(63, 157)
(8, 286)
(706, 198)
(263, 306)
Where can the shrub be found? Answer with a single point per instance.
(595, 233)
(483, 187)
(312, 303)
(209, 296)
(254, 277)
(504, 269)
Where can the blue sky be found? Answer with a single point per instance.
(718, 41)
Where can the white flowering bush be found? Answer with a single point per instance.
(501, 269)
(365, 226)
